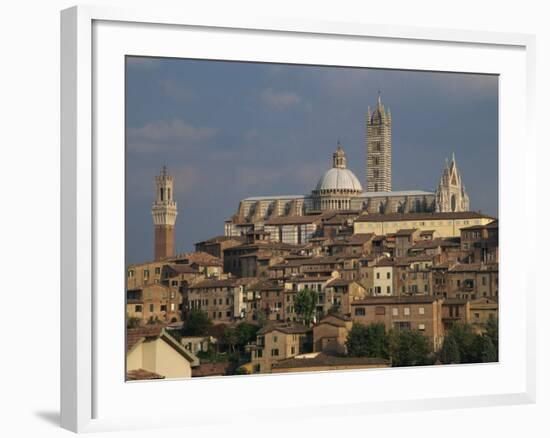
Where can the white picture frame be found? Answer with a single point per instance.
(94, 41)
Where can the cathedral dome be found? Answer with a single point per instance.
(339, 179)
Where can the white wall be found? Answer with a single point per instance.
(29, 101)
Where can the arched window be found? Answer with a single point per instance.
(162, 194)
(168, 194)
(453, 202)
(381, 207)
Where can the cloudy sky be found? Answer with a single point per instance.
(229, 130)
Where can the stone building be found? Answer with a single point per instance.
(164, 213)
(422, 313)
(339, 189)
(276, 342)
(154, 303)
(331, 334)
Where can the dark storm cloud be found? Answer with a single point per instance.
(233, 130)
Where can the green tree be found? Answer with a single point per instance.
(409, 348)
(491, 331)
(450, 352)
(246, 333)
(467, 341)
(197, 323)
(304, 305)
(489, 352)
(370, 340)
(230, 338)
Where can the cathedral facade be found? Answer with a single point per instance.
(339, 189)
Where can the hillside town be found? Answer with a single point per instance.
(338, 279)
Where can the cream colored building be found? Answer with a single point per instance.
(277, 342)
(152, 349)
(445, 224)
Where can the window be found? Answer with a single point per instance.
(292, 350)
(151, 307)
(421, 310)
(275, 339)
(146, 273)
(406, 311)
(421, 327)
(163, 308)
(157, 271)
(359, 311)
(388, 290)
(395, 311)
(275, 352)
(388, 275)
(378, 275)
(402, 325)
(380, 310)
(138, 308)
(260, 353)
(131, 273)
(172, 307)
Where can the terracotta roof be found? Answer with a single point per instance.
(355, 239)
(266, 285)
(474, 267)
(335, 320)
(134, 336)
(302, 279)
(141, 374)
(294, 220)
(209, 369)
(435, 243)
(405, 261)
(144, 334)
(340, 282)
(373, 301)
(183, 269)
(390, 217)
(211, 282)
(219, 239)
(287, 327)
(200, 258)
(327, 360)
(384, 262)
(406, 231)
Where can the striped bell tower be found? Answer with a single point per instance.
(378, 162)
(164, 213)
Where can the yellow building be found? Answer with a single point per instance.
(153, 352)
(445, 224)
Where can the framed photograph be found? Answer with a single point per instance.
(254, 207)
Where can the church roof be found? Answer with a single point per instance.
(396, 193)
(339, 179)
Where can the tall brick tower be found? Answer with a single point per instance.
(164, 213)
(378, 162)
